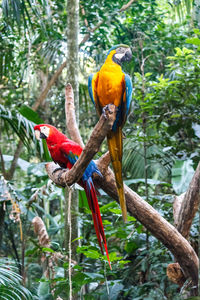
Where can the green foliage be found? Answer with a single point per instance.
(182, 172)
(11, 287)
(161, 145)
(19, 124)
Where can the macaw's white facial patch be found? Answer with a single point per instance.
(45, 130)
(119, 56)
(37, 134)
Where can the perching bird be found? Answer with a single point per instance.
(111, 86)
(65, 152)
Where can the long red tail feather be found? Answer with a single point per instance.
(94, 206)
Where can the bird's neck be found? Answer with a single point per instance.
(109, 60)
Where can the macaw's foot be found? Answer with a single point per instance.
(63, 170)
(106, 108)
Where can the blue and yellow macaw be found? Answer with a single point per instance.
(112, 86)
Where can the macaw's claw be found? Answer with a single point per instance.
(63, 170)
(106, 108)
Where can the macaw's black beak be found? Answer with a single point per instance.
(127, 56)
(42, 135)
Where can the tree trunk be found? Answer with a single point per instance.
(72, 77)
(72, 49)
(2, 217)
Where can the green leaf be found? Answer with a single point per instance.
(107, 207)
(78, 238)
(48, 250)
(94, 275)
(116, 211)
(30, 114)
(43, 288)
(88, 252)
(194, 40)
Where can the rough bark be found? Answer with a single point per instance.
(2, 217)
(72, 95)
(178, 200)
(184, 209)
(189, 205)
(70, 116)
(72, 49)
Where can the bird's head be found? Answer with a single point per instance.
(120, 53)
(44, 131)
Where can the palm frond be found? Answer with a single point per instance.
(19, 124)
(11, 287)
(158, 162)
(21, 11)
(182, 9)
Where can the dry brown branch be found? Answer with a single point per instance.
(44, 93)
(91, 30)
(13, 166)
(71, 117)
(85, 20)
(175, 274)
(40, 230)
(184, 209)
(126, 6)
(189, 205)
(44, 241)
(104, 162)
(178, 200)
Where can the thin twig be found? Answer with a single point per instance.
(69, 242)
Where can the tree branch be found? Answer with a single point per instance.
(126, 6)
(145, 213)
(189, 205)
(71, 117)
(2, 164)
(44, 93)
(91, 30)
(13, 166)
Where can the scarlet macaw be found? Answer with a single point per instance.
(112, 85)
(65, 152)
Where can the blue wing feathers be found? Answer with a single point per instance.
(71, 157)
(91, 168)
(129, 89)
(90, 88)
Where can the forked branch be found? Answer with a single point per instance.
(145, 213)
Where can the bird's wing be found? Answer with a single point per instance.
(71, 151)
(128, 92)
(92, 88)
